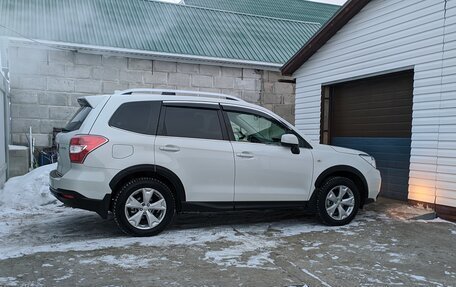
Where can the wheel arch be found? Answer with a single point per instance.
(149, 170)
(345, 171)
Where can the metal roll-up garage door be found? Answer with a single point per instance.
(374, 115)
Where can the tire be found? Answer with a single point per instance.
(332, 209)
(144, 207)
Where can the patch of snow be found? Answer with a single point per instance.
(8, 281)
(315, 277)
(259, 260)
(126, 261)
(47, 265)
(294, 227)
(374, 280)
(418, 277)
(453, 231)
(396, 257)
(378, 247)
(28, 192)
(314, 245)
(246, 243)
(436, 220)
(167, 238)
(339, 246)
(66, 276)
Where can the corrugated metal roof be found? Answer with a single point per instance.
(157, 26)
(300, 10)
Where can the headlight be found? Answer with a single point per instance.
(369, 159)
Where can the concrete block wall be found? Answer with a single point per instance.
(46, 83)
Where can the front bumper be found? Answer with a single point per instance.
(374, 181)
(76, 200)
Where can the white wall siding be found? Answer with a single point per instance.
(3, 115)
(446, 157)
(3, 135)
(394, 35)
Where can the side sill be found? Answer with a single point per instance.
(197, 206)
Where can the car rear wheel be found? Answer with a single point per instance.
(338, 201)
(144, 207)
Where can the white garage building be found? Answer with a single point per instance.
(4, 120)
(381, 77)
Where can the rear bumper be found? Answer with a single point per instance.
(76, 200)
(88, 181)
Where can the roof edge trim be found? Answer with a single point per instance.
(150, 54)
(346, 12)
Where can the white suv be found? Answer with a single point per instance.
(146, 154)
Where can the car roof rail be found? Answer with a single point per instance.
(169, 92)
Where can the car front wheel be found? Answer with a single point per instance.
(144, 207)
(338, 201)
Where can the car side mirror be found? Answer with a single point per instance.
(290, 140)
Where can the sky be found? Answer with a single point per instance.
(337, 2)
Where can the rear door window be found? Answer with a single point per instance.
(192, 123)
(139, 117)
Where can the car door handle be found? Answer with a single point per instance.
(245, 154)
(169, 147)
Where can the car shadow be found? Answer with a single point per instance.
(227, 218)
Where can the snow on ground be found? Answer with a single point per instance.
(28, 193)
(436, 220)
(126, 261)
(32, 221)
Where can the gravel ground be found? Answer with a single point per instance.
(60, 246)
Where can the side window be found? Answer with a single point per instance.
(138, 117)
(255, 128)
(192, 123)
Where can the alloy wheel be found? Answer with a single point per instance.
(145, 208)
(340, 202)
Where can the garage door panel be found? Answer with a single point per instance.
(372, 130)
(398, 100)
(352, 113)
(382, 147)
(396, 192)
(374, 116)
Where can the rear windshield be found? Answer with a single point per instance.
(77, 120)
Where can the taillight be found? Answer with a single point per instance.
(82, 145)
